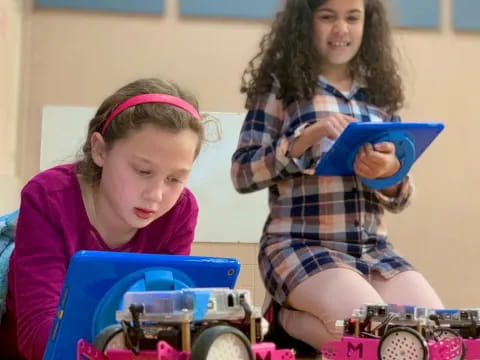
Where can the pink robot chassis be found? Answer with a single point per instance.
(396, 332)
(196, 324)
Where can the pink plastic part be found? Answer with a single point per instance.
(446, 348)
(351, 348)
(473, 349)
(120, 354)
(264, 351)
(164, 352)
(85, 351)
(333, 350)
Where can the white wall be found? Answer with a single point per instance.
(221, 207)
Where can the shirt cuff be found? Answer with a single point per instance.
(305, 162)
(401, 200)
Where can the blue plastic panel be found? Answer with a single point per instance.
(132, 6)
(254, 9)
(338, 160)
(466, 14)
(406, 13)
(97, 278)
(415, 13)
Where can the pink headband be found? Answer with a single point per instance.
(151, 98)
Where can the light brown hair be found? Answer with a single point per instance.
(165, 116)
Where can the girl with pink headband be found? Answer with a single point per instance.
(126, 193)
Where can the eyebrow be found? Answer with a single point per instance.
(141, 158)
(183, 171)
(333, 11)
(176, 171)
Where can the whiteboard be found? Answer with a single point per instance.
(225, 215)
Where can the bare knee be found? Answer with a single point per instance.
(393, 290)
(333, 294)
(308, 328)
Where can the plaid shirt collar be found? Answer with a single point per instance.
(357, 91)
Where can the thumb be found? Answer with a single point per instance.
(385, 147)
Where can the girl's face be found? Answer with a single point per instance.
(338, 30)
(144, 174)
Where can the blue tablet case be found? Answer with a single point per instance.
(410, 139)
(96, 281)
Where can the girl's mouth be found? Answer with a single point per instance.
(143, 213)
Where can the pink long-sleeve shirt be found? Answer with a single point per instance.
(52, 226)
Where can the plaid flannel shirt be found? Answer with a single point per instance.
(338, 212)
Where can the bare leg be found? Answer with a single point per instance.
(408, 288)
(323, 299)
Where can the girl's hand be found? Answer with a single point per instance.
(330, 126)
(378, 161)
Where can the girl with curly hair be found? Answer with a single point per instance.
(324, 249)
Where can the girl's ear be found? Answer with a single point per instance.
(99, 149)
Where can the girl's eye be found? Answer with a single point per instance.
(143, 172)
(352, 19)
(174, 180)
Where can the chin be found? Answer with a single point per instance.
(140, 224)
(343, 60)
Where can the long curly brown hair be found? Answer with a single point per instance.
(287, 52)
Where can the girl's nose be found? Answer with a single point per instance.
(155, 192)
(340, 27)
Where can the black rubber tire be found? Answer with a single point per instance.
(396, 331)
(206, 340)
(106, 335)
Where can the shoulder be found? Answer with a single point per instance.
(51, 182)
(270, 93)
(187, 202)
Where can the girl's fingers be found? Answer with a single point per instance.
(369, 149)
(332, 131)
(363, 166)
(376, 158)
(334, 128)
(385, 147)
(362, 170)
(348, 119)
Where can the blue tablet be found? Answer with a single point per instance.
(96, 281)
(410, 139)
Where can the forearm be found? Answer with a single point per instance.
(305, 140)
(32, 340)
(256, 168)
(39, 264)
(37, 291)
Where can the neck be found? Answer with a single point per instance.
(102, 217)
(338, 75)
